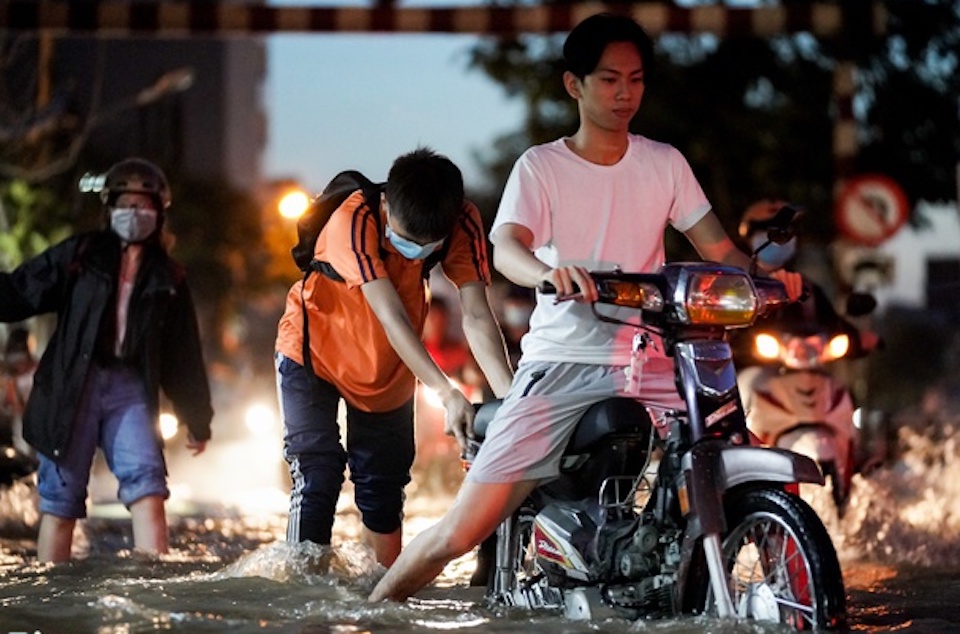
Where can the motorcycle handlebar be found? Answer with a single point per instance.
(771, 293)
(549, 289)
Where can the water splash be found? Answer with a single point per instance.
(907, 512)
(230, 569)
(307, 563)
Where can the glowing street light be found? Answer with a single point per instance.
(293, 204)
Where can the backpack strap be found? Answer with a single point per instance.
(370, 192)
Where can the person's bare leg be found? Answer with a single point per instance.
(55, 538)
(386, 546)
(476, 512)
(150, 525)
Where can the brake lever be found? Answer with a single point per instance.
(548, 288)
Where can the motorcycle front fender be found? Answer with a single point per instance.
(711, 468)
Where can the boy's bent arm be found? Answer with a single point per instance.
(513, 256)
(387, 306)
(714, 244)
(484, 337)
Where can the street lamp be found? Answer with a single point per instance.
(293, 204)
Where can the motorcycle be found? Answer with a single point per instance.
(792, 398)
(662, 514)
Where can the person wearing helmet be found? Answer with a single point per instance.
(126, 328)
(815, 309)
(753, 230)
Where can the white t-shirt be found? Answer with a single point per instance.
(599, 217)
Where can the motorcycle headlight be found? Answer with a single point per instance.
(720, 298)
(767, 346)
(837, 347)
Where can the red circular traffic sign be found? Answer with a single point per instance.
(871, 208)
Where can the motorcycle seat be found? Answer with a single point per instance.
(610, 417)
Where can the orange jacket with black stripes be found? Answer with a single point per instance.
(349, 346)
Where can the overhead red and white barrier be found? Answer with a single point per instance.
(183, 18)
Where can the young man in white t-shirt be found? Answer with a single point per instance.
(593, 201)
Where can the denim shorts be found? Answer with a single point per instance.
(115, 416)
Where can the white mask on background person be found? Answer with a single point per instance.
(133, 224)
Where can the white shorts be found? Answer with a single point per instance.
(526, 439)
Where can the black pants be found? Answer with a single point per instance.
(379, 451)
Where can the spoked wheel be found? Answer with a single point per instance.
(524, 583)
(783, 567)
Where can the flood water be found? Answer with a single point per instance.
(230, 569)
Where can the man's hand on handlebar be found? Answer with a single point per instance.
(572, 283)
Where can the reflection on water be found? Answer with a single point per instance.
(230, 570)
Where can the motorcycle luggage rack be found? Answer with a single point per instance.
(624, 494)
(627, 495)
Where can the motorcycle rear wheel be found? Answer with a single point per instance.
(782, 564)
(527, 585)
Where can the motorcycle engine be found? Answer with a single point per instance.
(631, 561)
(640, 563)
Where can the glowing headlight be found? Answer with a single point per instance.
(767, 346)
(720, 299)
(838, 346)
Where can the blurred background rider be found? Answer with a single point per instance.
(126, 327)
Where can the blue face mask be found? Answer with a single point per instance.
(410, 249)
(774, 255)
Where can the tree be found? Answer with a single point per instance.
(911, 90)
(755, 116)
(30, 222)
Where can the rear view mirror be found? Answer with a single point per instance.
(780, 228)
(860, 304)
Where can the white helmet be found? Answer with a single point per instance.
(137, 176)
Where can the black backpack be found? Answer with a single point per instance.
(312, 222)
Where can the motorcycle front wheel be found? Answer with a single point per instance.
(783, 567)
